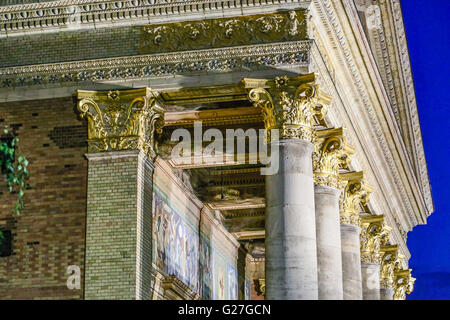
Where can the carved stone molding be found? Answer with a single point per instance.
(223, 32)
(289, 104)
(68, 15)
(121, 120)
(175, 289)
(158, 65)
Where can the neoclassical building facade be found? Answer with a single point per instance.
(133, 112)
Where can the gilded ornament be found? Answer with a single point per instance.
(327, 157)
(354, 194)
(387, 279)
(121, 120)
(404, 284)
(223, 32)
(370, 238)
(288, 104)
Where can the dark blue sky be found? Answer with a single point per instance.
(427, 28)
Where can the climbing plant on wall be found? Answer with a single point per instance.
(14, 168)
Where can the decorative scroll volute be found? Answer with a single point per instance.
(121, 120)
(354, 193)
(404, 284)
(387, 278)
(331, 153)
(289, 104)
(372, 228)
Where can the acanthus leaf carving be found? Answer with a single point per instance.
(121, 120)
(289, 104)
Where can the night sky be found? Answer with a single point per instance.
(427, 28)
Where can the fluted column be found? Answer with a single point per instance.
(326, 160)
(353, 194)
(288, 105)
(121, 149)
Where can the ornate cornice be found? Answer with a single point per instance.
(77, 14)
(329, 13)
(121, 120)
(394, 64)
(158, 65)
(289, 104)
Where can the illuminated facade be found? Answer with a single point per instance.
(97, 90)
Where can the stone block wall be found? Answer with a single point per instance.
(49, 235)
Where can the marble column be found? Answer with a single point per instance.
(370, 273)
(386, 294)
(351, 262)
(326, 195)
(352, 196)
(329, 258)
(288, 106)
(291, 261)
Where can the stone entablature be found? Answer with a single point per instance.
(69, 14)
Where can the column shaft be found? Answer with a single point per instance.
(370, 273)
(291, 259)
(351, 262)
(386, 294)
(329, 257)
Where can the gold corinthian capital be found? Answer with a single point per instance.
(372, 236)
(121, 119)
(404, 284)
(389, 256)
(289, 104)
(331, 152)
(354, 194)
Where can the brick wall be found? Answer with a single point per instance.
(69, 46)
(50, 233)
(118, 236)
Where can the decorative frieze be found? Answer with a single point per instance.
(158, 65)
(289, 104)
(121, 120)
(224, 32)
(355, 193)
(68, 14)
